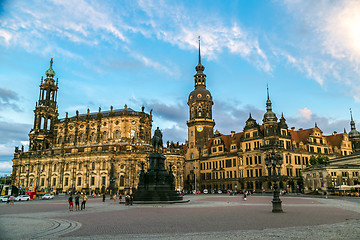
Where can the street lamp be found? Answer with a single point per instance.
(273, 163)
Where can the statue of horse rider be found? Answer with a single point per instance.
(157, 141)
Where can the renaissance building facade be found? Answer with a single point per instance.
(92, 152)
(236, 161)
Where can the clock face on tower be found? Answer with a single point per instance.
(199, 129)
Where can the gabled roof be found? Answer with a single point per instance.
(335, 140)
(301, 135)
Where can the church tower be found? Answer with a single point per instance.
(46, 113)
(354, 135)
(200, 124)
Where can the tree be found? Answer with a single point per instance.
(319, 160)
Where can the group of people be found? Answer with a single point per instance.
(77, 197)
(128, 198)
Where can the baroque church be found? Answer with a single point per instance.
(94, 152)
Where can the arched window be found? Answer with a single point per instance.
(105, 135)
(93, 136)
(117, 134)
(122, 180)
(54, 167)
(132, 134)
(93, 166)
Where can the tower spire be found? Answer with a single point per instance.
(352, 123)
(267, 90)
(199, 52)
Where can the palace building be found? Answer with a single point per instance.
(215, 161)
(92, 152)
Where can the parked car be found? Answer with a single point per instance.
(22, 198)
(219, 192)
(5, 198)
(47, 196)
(205, 191)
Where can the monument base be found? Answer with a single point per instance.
(277, 207)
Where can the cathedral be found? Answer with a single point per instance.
(237, 161)
(94, 152)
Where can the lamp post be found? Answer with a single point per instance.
(273, 163)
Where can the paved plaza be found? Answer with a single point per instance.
(204, 217)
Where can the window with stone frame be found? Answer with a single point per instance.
(66, 183)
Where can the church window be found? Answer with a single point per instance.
(234, 162)
(214, 149)
(199, 95)
(104, 165)
(191, 133)
(54, 167)
(42, 182)
(79, 181)
(122, 181)
(105, 136)
(132, 134)
(66, 181)
(191, 145)
(220, 149)
(93, 166)
(117, 134)
(48, 124)
(54, 182)
(103, 180)
(247, 135)
(92, 182)
(80, 165)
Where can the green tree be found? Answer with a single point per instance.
(319, 160)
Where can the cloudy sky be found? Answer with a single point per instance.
(138, 53)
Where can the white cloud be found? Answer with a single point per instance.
(305, 113)
(327, 48)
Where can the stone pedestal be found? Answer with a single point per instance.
(277, 206)
(156, 185)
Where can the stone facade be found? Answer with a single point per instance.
(94, 152)
(215, 161)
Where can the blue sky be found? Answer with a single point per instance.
(144, 53)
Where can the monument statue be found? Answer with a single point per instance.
(157, 141)
(156, 185)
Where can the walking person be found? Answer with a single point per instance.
(77, 202)
(244, 196)
(12, 199)
(71, 204)
(104, 197)
(114, 197)
(120, 197)
(84, 199)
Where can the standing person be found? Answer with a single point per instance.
(120, 197)
(244, 196)
(131, 200)
(77, 202)
(127, 199)
(12, 199)
(71, 204)
(84, 199)
(114, 197)
(104, 197)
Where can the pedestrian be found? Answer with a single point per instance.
(71, 204)
(120, 197)
(131, 200)
(127, 199)
(12, 199)
(84, 199)
(77, 202)
(104, 197)
(114, 197)
(244, 196)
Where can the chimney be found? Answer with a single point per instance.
(232, 133)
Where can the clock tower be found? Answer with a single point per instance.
(200, 124)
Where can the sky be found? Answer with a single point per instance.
(143, 53)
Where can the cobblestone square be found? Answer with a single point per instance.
(204, 217)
